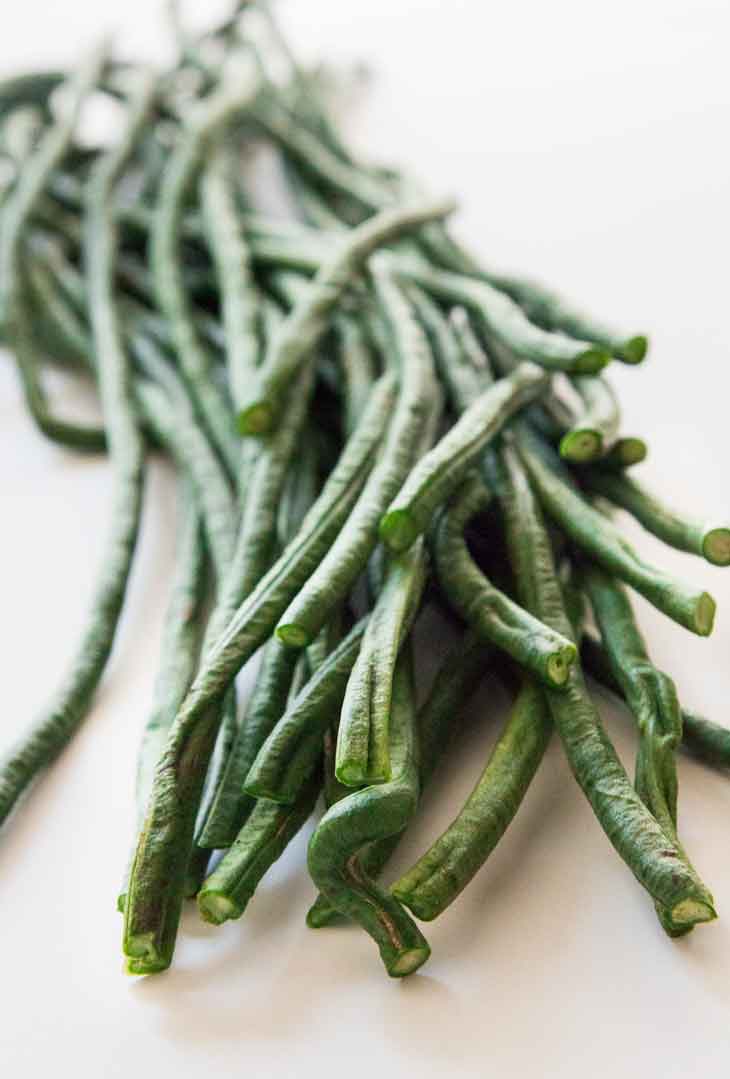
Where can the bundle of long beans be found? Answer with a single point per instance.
(366, 423)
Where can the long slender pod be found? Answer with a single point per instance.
(179, 652)
(648, 851)
(593, 533)
(240, 300)
(370, 815)
(548, 309)
(156, 884)
(449, 864)
(456, 679)
(543, 651)
(56, 726)
(439, 472)
(708, 741)
(418, 397)
(709, 541)
(652, 698)
(211, 118)
(305, 325)
(15, 313)
(363, 742)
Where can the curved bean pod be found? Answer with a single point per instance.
(595, 430)
(550, 310)
(306, 323)
(455, 681)
(449, 864)
(592, 532)
(216, 112)
(366, 816)
(439, 473)
(414, 412)
(711, 542)
(155, 895)
(652, 698)
(289, 755)
(544, 652)
(363, 754)
(651, 855)
(501, 317)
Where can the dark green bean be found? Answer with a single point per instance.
(438, 877)
(546, 653)
(370, 815)
(652, 698)
(650, 854)
(306, 323)
(711, 542)
(156, 884)
(592, 532)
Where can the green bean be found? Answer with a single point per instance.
(500, 317)
(216, 112)
(15, 316)
(346, 559)
(592, 532)
(652, 698)
(289, 755)
(596, 428)
(438, 877)
(548, 309)
(454, 682)
(155, 897)
(439, 473)
(357, 365)
(648, 852)
(231, 256)
(262, 839)
(547, 654)
(625, 452)
(367, 816)
(231, 805)
(57, 725)
(314, 156)
(179, 428)
(363, 754)
(711, 542)
(305, 325)
(704, 739)
(179, 653)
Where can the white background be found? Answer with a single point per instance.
(588, 144)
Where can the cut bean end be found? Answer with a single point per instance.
(408, 962)
(257, 419)
(293, 636)
(631, 450)
(691, 912)
(634, 350)
(143, 956)
(716, 546)
(398, 530)
(217, 908)
(352, 774)
(705, 615)
(559, 664)
(581, 444)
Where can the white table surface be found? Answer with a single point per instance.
(589, 146)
